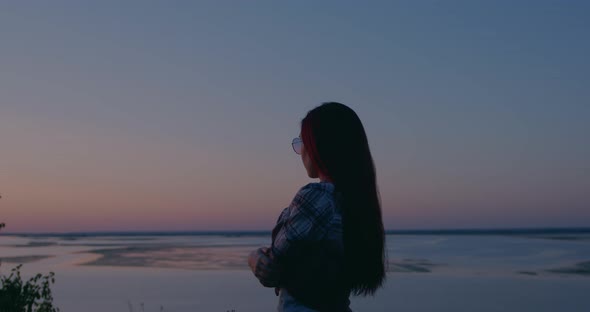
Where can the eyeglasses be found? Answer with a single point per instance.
(297, 145)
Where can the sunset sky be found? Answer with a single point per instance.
(178, 115)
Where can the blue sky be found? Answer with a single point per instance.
(142, 115)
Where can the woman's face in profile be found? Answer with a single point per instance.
(309, 167)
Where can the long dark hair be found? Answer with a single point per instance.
(337, 144)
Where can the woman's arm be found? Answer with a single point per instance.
(307, 220)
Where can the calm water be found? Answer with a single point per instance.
(185, 271)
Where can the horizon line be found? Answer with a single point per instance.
(488, 230)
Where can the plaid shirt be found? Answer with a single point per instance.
(312, 216)
(307, 245)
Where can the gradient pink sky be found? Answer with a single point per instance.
(121, 117)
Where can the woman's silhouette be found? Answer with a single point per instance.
(329, 242)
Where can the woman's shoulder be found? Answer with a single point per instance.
(317, 196)
(316, 188)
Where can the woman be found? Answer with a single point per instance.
(329, 242)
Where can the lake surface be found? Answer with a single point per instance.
(427, 271)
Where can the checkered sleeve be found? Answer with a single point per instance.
(308, 219)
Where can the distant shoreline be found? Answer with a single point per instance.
(488, 231)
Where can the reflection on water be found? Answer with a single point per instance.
(24, 259)
(434, 254)
(194, 258)
(582, 268)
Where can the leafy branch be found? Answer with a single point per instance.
(33, 295)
